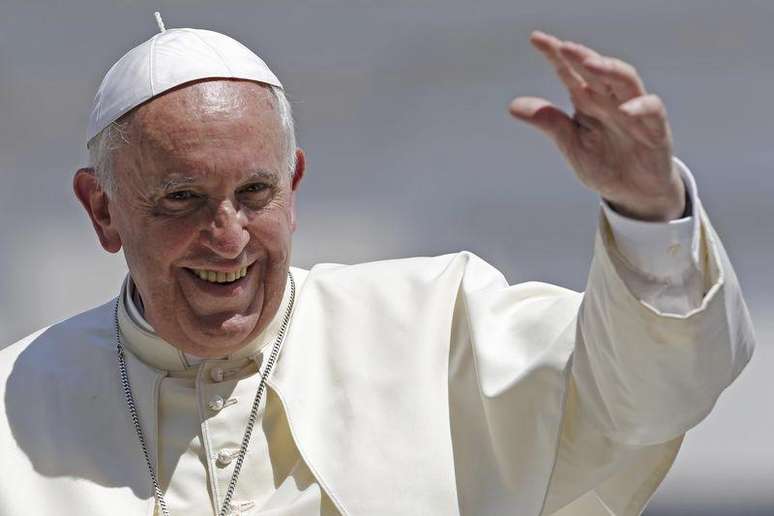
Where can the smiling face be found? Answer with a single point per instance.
(204, 210)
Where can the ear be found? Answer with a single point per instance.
(97, 204)
(298, 175)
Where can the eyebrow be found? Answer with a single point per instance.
(176, 181)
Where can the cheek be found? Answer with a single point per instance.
(155, 247)
(271, 232)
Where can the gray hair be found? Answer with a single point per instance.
(103, 146)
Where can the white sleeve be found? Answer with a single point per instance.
(645, 368)
(661, 264)
(653, 354)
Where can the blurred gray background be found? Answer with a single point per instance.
(401, 109)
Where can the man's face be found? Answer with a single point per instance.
(203, 191)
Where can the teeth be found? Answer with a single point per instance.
(220, 277)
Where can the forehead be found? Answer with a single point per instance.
(208, 119)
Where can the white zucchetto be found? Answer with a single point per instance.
(168, 59)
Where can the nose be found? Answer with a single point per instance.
(226, 234)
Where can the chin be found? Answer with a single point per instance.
(220, 337)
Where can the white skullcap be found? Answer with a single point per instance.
(168, 59)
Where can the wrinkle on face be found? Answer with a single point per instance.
(222, 142)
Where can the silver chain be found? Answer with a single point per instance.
(127, 388)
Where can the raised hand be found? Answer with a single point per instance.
(618, 141)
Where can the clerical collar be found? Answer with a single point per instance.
(138, 335)
(134, 311)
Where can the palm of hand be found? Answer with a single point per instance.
(619, 141)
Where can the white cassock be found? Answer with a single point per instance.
(424, 386)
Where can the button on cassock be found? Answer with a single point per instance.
(216, 373)
(240, 508)
(226, 456)
(216, 404)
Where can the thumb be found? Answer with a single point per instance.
(546, 117)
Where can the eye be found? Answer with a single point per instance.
(254, 188)
(255, 195)
(183, 195)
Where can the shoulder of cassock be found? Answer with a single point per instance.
(409, 364)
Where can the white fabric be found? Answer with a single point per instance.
(416, 386)
(169, 59)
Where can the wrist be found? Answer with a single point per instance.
(672, 204)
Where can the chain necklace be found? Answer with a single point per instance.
(127, 388)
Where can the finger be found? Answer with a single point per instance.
(576, 55)
(586, 98)
(546, 117)
(549, 46)
(621, 76)
(650, 114)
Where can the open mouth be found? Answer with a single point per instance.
(220, 277)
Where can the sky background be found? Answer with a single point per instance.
(401, 109)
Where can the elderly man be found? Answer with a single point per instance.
(223, 381)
